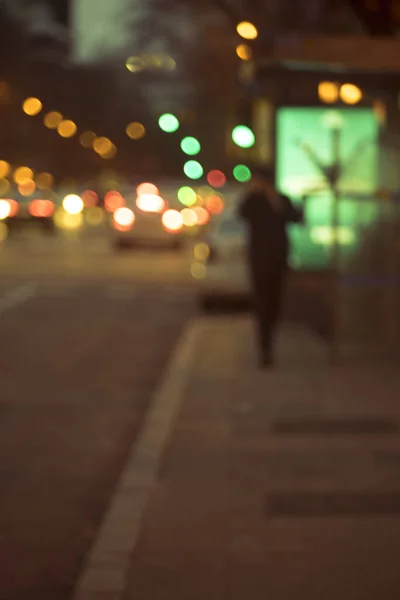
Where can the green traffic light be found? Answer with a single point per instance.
(190, 146)
(242, 173)
(187, 196)
(193, 169)
(168, 123)
(243, 136)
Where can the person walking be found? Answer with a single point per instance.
(267, 214)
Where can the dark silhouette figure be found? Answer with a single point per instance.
(267, 213)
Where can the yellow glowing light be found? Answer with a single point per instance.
(3, 232)
(95, 216)
(350, 94)
(124, 217)
(73, 204)
(135, 131)
(4, 186)
(27, 188)
(172, 220)
(102, 145)
(5, 209)
(328, 92)
(247, 30)
(44, 181)
(64, 220)
(201, 251)
(67, 129)
(189, 217)
(32, 106)
(53, 119)
(135, 64)
(198, 270)
(5, 168)
(87, 139)
(111, 153)
(23, 175)
(150, 203)
(244, 52)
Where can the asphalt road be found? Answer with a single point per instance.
(79, 361)
(87, 255)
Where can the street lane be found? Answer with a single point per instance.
(90, 256)
(79, 363)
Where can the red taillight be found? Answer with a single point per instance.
(41, 208)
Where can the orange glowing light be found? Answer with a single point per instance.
(14, 207)
(41, 208)
(27, 189)
(90, 198)
(172, 221)
(215, 204)
(203, 216)
(113, 200)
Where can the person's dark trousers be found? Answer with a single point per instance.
(268, 287)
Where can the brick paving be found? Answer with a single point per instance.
(245, 509)
(77, 373)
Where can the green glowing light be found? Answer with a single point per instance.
(187, 196)
(242, 173)
(168, 123)
(243, 136)
(193, 169)
(190, 146)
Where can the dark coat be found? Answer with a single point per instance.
(267, 229)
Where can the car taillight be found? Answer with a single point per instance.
(41, 208)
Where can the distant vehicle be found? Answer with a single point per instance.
(219, 260)
(146, 220)
(37, 210)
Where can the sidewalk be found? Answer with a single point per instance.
(277, 485)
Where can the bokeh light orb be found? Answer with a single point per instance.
(113, 200)
(215, 204)
(168, 123)
(135, 64)
(5, 209)
(189, 217)
(135, 130)
(328, 92)
(27, 189)
(247, 30)
(198, 270)
(216, 178)
(242, 173)
(32, 106)
(73, 204)
(244, 52)
(350, 93)
(41, 208)
(87, 139)
(187, 196)
(90, 198)
(124, 216)
(147, 188)
(190, 145)
(44, 181)
(243, 136)
(67, 129)
(23, 175)
(53, 119)
(193, 169)
(152, 203)
(203, 216)
(5, 168)
(172, 220)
